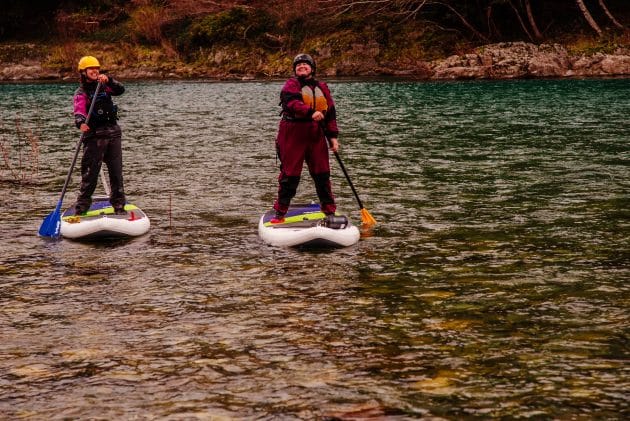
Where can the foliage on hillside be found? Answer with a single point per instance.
(233, 32)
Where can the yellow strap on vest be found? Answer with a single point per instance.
(314, 98)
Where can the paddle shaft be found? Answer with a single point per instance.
(78, 147)
(343, 168)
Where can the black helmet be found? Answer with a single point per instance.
(304, 58)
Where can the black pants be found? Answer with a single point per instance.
(287, 187)
(102, 144)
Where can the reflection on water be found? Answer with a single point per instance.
(494, 284)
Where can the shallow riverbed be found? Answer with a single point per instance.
(494, 285)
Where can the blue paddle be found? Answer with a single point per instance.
(51, 225)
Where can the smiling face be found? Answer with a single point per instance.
(92, 73)
(303, 69)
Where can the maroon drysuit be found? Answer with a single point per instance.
(300, 139)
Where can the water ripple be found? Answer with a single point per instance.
(494, 284)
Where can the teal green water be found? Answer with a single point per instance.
(494, 285)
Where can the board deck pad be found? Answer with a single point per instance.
(298, 216)
(101, 222)
(101, 207)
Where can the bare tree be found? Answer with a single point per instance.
(492, 27)
(610, 16)
(532, 21)
(462, 18)
(520, 20)
(588, 17)
(406, 8)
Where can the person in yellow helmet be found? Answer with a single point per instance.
(102, 140)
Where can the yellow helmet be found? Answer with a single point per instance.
(88, 61)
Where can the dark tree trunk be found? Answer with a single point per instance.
(610, 16)
(462, 18)
(532, 21)
(588, 17)
(520, 20)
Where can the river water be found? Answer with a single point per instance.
(495, 283)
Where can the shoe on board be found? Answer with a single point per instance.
(278, 219)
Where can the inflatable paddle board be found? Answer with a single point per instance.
(307, 226)
(100, 221)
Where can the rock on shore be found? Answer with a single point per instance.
(524, 60)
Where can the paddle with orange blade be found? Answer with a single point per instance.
(366, 218)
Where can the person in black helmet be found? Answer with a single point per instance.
(308, 119)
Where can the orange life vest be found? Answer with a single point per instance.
(314, 98)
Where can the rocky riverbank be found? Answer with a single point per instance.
(523, 60)
(494, 61)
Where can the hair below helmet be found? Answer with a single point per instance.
(88, 61)
(304, 58)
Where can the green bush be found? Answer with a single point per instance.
(238, 25)
(297, 31)
(114, 33)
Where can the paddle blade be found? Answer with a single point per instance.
(366, 218)
(51, 226)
